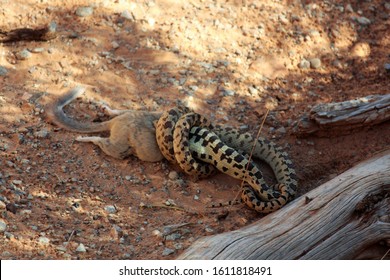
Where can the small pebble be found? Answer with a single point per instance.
(81, 248)
(157, 233)
(209, 229)
(61, 248)
(23, 54)
(115, 44)
(2, 205)
(337, 63)
(37, 50)
(84, 11)
(3, 71)
(315, 63)
(387, 67)
(6, 254)
(127, 15)
(41, 133)
(3, 226)
(304, 64)
(44, 240)
(173, 236)
(253, 90)
(110, 209)
(25, 212)
(228, 92)
(349, 8)
(281, 130)
(173, 175)
(168, 251)
(363, 21)
(9, 235)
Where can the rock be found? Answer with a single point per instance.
(337, 63)
(387, 67)
(361, 50)
(349, 8)
(3, 226)
(281, 130)
(227, 92)
(9, 235)
(23, 54)
(42, 134)
(363, 21)
(173, 175)
(25, 212)
(283, 19)
(3, 71)
(157, 233)
(168, 251)
(44, 240)
(84, 11)
(2, 205)
(81, 248)
(61, 248)
(209, 229)
(315, 63)
(111, 209)
(17, 182)
(115, 44)
(252, 90)
(173, 236)
(37, 50)
(127, 15)
(6, 254)
(304, 64)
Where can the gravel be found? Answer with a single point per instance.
(111, 209)
(3, 71)
(363, 21)
(23, 54)
(44, 240)
(168, 251)
(81, 248)
(3, 226)
(84, 11)
(315, 63)
(173, 175)
(304, 64)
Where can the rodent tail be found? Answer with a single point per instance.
(56, 114)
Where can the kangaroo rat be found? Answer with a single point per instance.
(131, 132)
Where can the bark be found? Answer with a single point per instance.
(338, 220)
(344, 117)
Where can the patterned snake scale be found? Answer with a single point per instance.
(189, 139)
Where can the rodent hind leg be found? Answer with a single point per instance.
(109, 148)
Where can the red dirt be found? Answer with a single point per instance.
(229, 60)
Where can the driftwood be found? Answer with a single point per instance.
(344, 117)
(46, 33)
(338, 220)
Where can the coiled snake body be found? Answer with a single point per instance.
(198, 147)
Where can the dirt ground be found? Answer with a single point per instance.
(229, 60)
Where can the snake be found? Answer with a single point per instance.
(200, 148)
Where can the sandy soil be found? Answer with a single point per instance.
(229, 60)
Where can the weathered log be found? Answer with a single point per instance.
(344, 117)
(338, 220)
